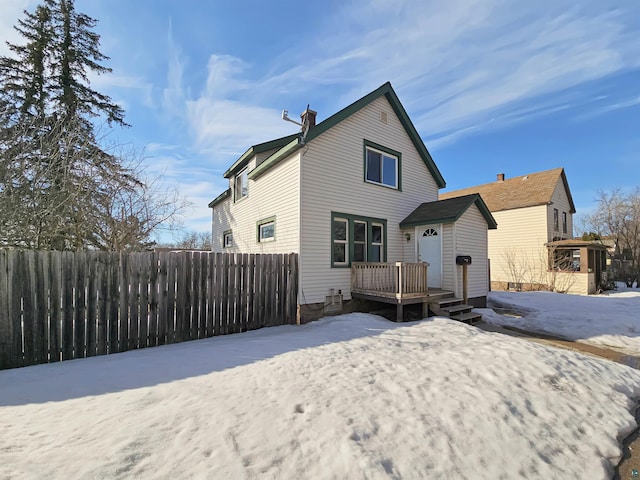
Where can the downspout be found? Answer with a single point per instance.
(456, 282)
(300, 277)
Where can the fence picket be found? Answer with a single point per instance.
(152, 266)
(143, 300)
(163, 297)
(8, 353)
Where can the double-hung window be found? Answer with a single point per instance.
(241, 189)
(377, 242)
(357, 239)
(555, 220)
(564, 222)
(381, 165)
(340, 241)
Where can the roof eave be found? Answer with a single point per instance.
(223, 196)
(276, 158)
(255, 149)
(429, 222)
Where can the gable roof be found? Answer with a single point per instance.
(288, 145)
(448, 211)
(518, 192)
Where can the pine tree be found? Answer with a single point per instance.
(56, 178)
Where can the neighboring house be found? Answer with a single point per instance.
(531, 248)
(357, 190)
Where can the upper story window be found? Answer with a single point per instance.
(555, 220)
(564, 222)
(381, 165)
(241, 189)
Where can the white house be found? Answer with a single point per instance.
(357, 190)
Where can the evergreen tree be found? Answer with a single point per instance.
(57, 182)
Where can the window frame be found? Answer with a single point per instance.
(556, 220)
(349, 249)
(564, 222)
(227, 234)
(385, 152)
(260, 224)
(242, 174)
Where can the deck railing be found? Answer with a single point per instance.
(389, 278)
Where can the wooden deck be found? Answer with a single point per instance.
(396, 283)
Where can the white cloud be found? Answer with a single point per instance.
(174, 95)
(460, 62)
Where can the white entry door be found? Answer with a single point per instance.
(430, 251)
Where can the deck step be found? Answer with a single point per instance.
(469, 317)
(458, 309)
(445, 301)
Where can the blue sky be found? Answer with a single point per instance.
(491, 85)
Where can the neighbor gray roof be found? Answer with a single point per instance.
(447, 211)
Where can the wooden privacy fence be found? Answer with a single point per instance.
(63, 305)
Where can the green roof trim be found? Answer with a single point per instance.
(276, 158)
(333, 120)
(255, 149)
(448, 211)
(224, 195)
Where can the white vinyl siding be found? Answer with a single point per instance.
(332, 179)
(274, 194)
(449, 278)
(471, 239)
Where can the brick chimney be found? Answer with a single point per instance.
(500, 177)
(308, 117)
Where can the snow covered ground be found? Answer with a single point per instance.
(611, 320)
(353, 396)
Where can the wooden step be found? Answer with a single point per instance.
(469, 317)
(458, 309)
(445, 301)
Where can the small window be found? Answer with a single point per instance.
(227, 239)
(241, 184)
(555, 219)
(267, 231)
(340, 236)
(382, 166)
(564, 222)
